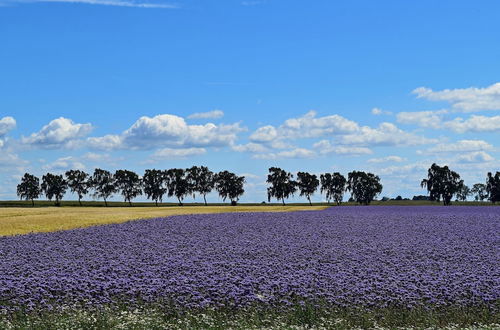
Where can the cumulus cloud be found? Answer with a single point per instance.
(59, 133)
(167, 153)
(474, 124)
(63, 164)
(169, 131)
(7, 124)
(250, 147)
(378, 112)
(388, 159)
(427, 119)
(465, 99)
(294, 153)
(215, 114)
(310, 126)
(325, 147)
(460, 146)
(474, 157)
(386, 134)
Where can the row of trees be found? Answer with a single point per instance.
(364, 187)
(443, 183)
(155, 184)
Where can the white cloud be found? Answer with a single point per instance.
(386, 134)
(388, 159)
(325, 147)
(178, 153)
(309, 126)
(427, 119)
(215, 114)
(7, 124)
(118, 3)
(63, 164)
(465, 99)
(378, 112)
(264, 134)
(461, 146)
(295, 153)
(250, 147)
(474, 157)
(59, 133)
(169, 130)
(474, 124)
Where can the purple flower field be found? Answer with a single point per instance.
(346, 256)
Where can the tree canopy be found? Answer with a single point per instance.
(307, 184)
(442, 183)
(177, 183)
(78, 184)
(129, 184)
(363, 186)
(333, 185)
(153, 183)
(54, 186)
(493, 187)
(479, 192)
(229, 186)
(29, 188)
(282, 184)
(103, 184)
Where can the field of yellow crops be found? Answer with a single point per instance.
(14, 221)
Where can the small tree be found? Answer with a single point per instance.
(282, 184)
(78, 184)
(493, 187)
(29, 188)
(54, 186)
(201, 180)
(334, 186)
(103, 184)
(177, 184)
(308, 184)
(442, 183)
(479, 191)
(129, 184)
(363, 186)
(154, 185)
(229, 186)
(463, 193)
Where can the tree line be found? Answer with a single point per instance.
(155, 184)
(442, 185)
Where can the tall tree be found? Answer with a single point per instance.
(282, 184)
(363, 186)
(200, 180)
(334, 186)
(463, 192)
(493, 187)
(78, 183)
(442, 183)
(154, 185)
(229, 185)
(177, 183)
(308, 184)
(54, 186)
(479, 192)
(129, 184)
(103, 184)
(29, 188)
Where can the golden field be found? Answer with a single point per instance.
(23, 220)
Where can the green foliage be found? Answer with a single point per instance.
(103, 184)
(129, 184)
(334, 186)
(479, 192)
(363, 186)
(442, 183)
(177, 183)
(493, 187)
(201, 180)
(308, 184)
(54, 186)
(77, 182)
(463, 193)
(153, 183)
(229, 186)
(282, 184)
(29, 188)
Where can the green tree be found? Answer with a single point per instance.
(479, 192)
(200, 180)
(463, 193)
(334, 186)
(78, 183)
(493, 187)
(54, 186)
(177, 183)
(103, 184)
(282, 184)
(29, 188)
(363, 186)
(154, 185)
(229, 186)
(307, 184)
(442, 183)
(129, 184)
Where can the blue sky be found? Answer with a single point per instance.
(382, 86)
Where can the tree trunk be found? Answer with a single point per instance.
(80, 201)
(309, 198)
(283, 200)
(205, 199)
(105, 203)
(129, 202)
(32, 203)
(156, 201)
(180, 203)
